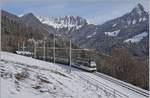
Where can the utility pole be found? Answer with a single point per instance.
(44, 50)
(34, 49)
(54, 49)
(70, 56)
(18, 46)
(1, 38)
(23, 46)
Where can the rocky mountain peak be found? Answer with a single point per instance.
(28, 16)
(63, 22)
(30, 19)
(139, 9)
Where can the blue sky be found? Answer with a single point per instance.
(96, 11)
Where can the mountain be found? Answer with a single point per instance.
(63, 22)
(115, 33)
(30, 20)
(122, 44)
(11, 26)
(27, 28)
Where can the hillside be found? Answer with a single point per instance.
(28, 29)
(24, 76)
(115, 33)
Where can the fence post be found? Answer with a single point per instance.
(18, 46)
(23, 46)
(1, 38)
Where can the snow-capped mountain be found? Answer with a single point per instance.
(63, 22)
(115, 32)
(129, 31)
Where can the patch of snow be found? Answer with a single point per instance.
(89, 36)
(140, 19)
(114, 33)
(144, 19)
(136, 38)
(134, 21)
(114, 25)
(77, 27)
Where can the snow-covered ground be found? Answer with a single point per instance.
(89, 36)
(114, 33)
(137, 38)
(25, 77)
(120, 91)
(24, 52)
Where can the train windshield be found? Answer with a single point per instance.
(93, 63)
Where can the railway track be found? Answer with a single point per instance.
(118, 82)
(121, 83)
(109, 89)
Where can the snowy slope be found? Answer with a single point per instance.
(109, 86)
(25, 77)
(114, 33)
(89, 36)
(136, 38)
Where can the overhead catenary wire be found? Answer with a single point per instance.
(35, 45)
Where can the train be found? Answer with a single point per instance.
(84, 64)
(88, 65)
